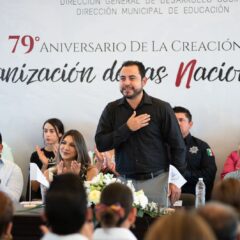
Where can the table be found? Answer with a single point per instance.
(26, 224)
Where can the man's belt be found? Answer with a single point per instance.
(143, 176)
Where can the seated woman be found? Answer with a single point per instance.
(72, 156)
(6, 215)
(53, 130)
(115, 213)
(232, 165)
(181, 225)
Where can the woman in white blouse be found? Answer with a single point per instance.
(115, 213)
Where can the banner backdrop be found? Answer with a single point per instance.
(60, 58)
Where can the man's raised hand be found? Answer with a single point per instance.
(134, 123)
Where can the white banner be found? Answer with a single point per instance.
(60, 58)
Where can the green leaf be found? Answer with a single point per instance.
(140, 212)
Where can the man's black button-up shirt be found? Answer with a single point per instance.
(144, 150)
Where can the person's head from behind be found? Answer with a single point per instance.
(6, 215)
(73, 147)
(132, 79)
(181, 225)
(228, 191)
(53, 130)
(66, 204)
(221, 218)
(184, 118)
(115, 208)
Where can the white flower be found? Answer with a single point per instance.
(96, 179)
(87, 184)
(140, 199)
(98, 183)
(152, 207)
(108, 178)
(130, 185)
(94, 196)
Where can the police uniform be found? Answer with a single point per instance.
(200, 163)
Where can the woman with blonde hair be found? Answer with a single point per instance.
(72, 156)
(6, 215)
(181, 225)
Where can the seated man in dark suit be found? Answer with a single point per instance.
(199, 156)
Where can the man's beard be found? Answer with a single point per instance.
(136, 92)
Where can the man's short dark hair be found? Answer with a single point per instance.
(140, 66)
(179, 109)
(0, 138)
(66, 204)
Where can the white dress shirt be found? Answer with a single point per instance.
(116, 233)
(7, 152)
(52, 236)
(11, 179)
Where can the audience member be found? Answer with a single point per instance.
(104, 161)
(115, 213)
(11, 178)
(228, 192)
(65, 208)
(72, 156)
(200, 158)
(7, 152)
(231, 167)
(222, 219)
(6, 215)
(53, 130)
(181, 225)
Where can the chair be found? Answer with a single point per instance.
(188, 199)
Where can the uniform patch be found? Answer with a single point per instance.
(210, 152)
(193, 149)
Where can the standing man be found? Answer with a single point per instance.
(11, 178)
(142, 129)
(200, 158)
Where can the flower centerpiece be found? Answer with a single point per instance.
(96, 185)
(143, 206)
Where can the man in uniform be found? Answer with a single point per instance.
(199, 156)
